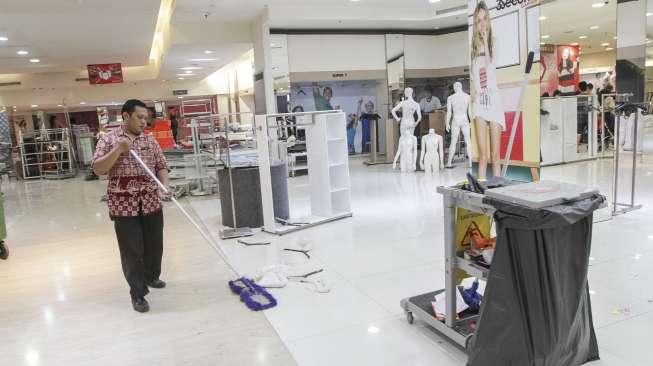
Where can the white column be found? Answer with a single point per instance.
(263, 81)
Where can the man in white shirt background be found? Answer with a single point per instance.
(430, 102)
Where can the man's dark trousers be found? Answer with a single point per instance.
(140, 240)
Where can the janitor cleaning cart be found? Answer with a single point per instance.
(535, 308)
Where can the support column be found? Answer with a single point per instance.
(264, 99)
(631, 48)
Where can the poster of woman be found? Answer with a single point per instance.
(498, 56)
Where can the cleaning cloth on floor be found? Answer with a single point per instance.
(274, 276)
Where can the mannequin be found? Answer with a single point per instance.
(432, 152)
(408, 108)
(458, 120)
(407, 149)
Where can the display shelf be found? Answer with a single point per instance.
(335, 140)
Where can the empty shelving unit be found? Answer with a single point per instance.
(328, 167)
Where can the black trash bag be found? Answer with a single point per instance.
(536, 309)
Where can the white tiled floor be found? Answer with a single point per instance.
(63, 289)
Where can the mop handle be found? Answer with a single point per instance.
(515, 121)
(174, 200)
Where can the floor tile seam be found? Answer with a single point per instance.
(397, 270)
(602, 328)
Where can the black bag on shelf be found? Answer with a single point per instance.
(536, 308)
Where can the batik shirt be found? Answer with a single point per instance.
(131, 192)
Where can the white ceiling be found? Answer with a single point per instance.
(193, 55)
(67, 35)
(326, 14)
(567, 20)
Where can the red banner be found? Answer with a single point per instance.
(105, 73)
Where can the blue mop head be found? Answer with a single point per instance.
(255, 297)
(472, 298)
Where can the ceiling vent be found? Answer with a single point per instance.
(13, 83)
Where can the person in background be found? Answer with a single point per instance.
(352, 123)
(557, 93)
(367, 118)
(134, 202)
(322, 101)
(174, 123)
(608, 111)
(545, 95)
(590, 88)
(582, 88)
(429, 103)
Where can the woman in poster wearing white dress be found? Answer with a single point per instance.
(488, 106)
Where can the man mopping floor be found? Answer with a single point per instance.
(134, 201)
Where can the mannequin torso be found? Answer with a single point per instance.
(432, 152)
(408, 109)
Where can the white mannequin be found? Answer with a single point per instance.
(458, 120)
(408, 108)
(432, 152)
(407, 149)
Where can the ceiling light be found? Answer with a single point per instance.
(180, 97)
(180, 78)
(59, 105)
(208, 52)
(3, 39)
(615, 37)
(542, 43)
(188, 71)
(273, 45)
(373, 330)
(582, 37)
(546, 36)
(542, 17)
(35, 105)
(22, 52)
(649, 14)
(202, 59)
(609, 49)
(190, 68)
(598, 5)
(574, 44)
(82, 103)
(34, 60)
(605, 44)
(434, 1)
(594, 27)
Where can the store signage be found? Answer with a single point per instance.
(505, 4)
(339, 75)
(180, 92)
(105, 73)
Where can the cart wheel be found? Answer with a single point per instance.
(409, 317)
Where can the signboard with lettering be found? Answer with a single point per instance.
(105, 73)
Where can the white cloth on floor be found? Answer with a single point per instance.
(274, 276)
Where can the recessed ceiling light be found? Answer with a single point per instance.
(649, 14)
(202, 59)
(615, 37)
(574, 44)
(208, 52)
(546, 36)
(542, 17)
(82, 103)
(22, 52)
(582, 37)
(605, 44)
(59, 105)
(598, 5)
(190, 68)
(180, 78)
(3, 39)
(188, 71)
(609, 49)
(164, 80)
(180, 97)
(434, 1)
(35, 105)
(542, 43)
(594, 27)
(34, 60)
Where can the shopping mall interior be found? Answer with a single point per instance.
(343, 182)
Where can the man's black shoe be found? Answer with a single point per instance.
(156, 284)
(141, 305)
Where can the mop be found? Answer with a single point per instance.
(255, 297)
(518, 112)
